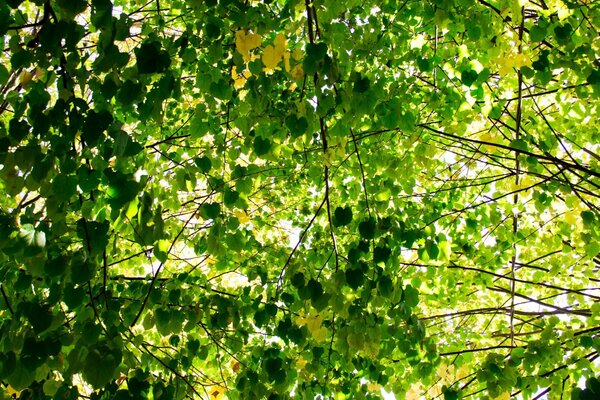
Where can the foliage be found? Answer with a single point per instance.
(263, 199)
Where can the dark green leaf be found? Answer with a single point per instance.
(203, 163)
(385, 286)
(40, 317)
(342, 216)
(468, 77)
(298, 280)
(230, 197)
(361, 84)
(594, 77)
(151, 58)
(296, 125)
(315, 289)
(381, 254)
(210, 211)
(261, 146)
(367, 228)
(588, 217)
(355, 277)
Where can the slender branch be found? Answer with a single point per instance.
(515, 216)
(311, 17)
(158, 270)
(453, 353)
(174, 371)
(280, 279)
(546, 156)
(6, 299)
(105, 277)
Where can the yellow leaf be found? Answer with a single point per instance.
(462, 372)
(314, 325)
(329, 157)
(280, 43)
(571, 217)
(245, 42)
(242, 216)
(507, 62)
(301, 363)
(442, 371)
(298, 54)
(239, 80)
(25, 77)
(297, 72)
(286, 61)
(503, 396)
(235, 367)
(216, 392)
(11, 391)
(414, 392)
(270, 58)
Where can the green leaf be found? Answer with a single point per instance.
(220, 89)
(100, 366)
(21, 377)
(94, 125)
(3, 75)
(203, 163)
(73, 296)
(32, 236)
(537, 33)
(411, 296)
(424, 64)
(82, 271)
(18, 129)
(519, 144)
(432, 249)
(161, 250)
(14, 3)
(315, 290)
(129, 92)
(594, 77)
(450, 394)
(64, 187)
(8, 362)
(71, 8)
(213, 27)
(210, 210)
(94, 234)
(274, 369)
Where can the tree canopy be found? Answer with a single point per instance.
(241, 199)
